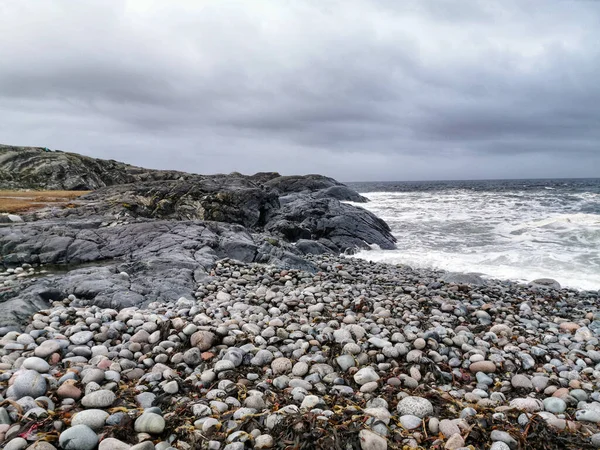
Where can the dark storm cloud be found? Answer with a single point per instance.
(355, 89)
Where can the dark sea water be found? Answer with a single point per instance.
(509, 229)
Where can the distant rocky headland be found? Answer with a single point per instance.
(164, 229)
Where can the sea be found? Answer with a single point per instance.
(518, 230)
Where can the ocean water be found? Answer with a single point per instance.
(507, 229)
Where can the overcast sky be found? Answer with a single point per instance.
(355, 89)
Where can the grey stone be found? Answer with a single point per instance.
(555, 405)
(520, 381)
(82, 337)
(503, 436)
(345, 362)
(78, 437)
(171, 387)
(448, 428)
(411, 422)
(371, 441)
(29, 384)
(17, 443)
(264, 441)
(416, 406)
(99, 399)
(587, 415)
(145, 399)
(93, 418)
(150, 423)
(147, 445)
(37, 364)
(499, 445)
(113, 444)
(365, 375)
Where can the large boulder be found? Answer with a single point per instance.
(347, 226)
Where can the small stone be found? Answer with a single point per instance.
(498, 445)
(301, 368)
(345, 362)
(93, 418)
(379, 413)
(264, 441)
(146, 445)
(419, 343)
(29, 384)
(17, 443)
(145, 399)
(527, 404)
(540, 382)
(141, 337)
(410, 422)
(369, 387)
(569, 326)
(78, 437)
(434, 425)
(371, 441)
(587, 415)
(210, 425)
(82, 337)
(150, 423)
(41, 445)
(448, 428)
(503, 436)
(171, 387)
(555, 405)
(520, 381)
(415, 406)
(281, 366)
(483, 366)
(311, 402)
(37, 364)
(47, 348)
(455, 442)
(113, 444)
(365, 375)
(203, 340)
(255, 402)
(192, 357)
(99, 399)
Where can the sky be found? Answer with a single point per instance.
(355, 89)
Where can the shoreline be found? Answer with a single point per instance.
(375, 355)
(476, 275)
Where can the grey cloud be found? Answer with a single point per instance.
(356, 89)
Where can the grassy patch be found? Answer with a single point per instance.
(22, 201)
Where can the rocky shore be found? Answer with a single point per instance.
(353, 355)
(167, 311)
(166, 230)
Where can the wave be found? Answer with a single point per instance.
(517, 235)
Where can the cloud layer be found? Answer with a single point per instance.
(356, 89)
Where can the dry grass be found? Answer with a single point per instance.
(23, 201)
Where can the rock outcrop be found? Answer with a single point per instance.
(140, 238)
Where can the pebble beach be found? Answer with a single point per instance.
(358, 355)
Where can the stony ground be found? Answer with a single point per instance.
(357, 356)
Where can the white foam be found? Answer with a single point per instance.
(508, 235)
